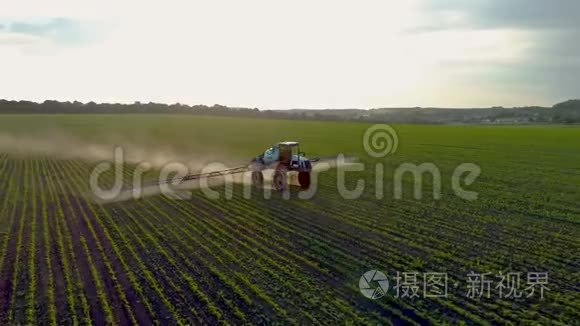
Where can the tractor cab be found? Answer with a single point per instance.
(285, 153)
(289, 153)
(283, 157)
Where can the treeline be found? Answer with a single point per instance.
(565, 112)
(49, 106)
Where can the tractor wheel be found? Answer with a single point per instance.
(257, 179)
(279, 181)
(304, 180)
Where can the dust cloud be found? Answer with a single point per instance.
(66, 146)
(182, 191)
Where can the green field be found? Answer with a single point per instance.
(68, 260)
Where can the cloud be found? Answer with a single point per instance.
(62, 31)
(340, 54)
(552, 28)
(528, 14)
(547, 61)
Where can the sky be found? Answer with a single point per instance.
(292, 54)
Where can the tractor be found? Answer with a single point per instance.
(282, 157)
